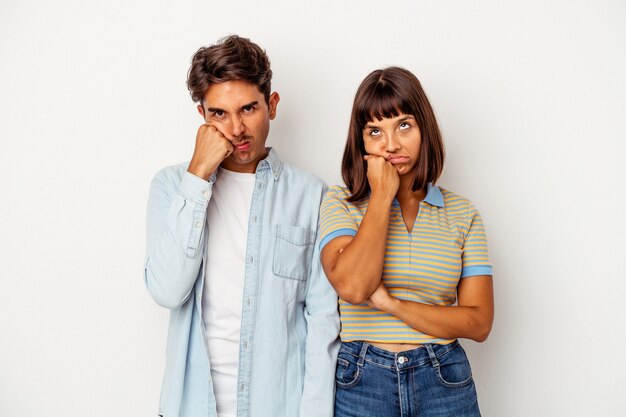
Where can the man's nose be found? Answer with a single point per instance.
(237, 127)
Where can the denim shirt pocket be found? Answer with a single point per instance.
(292, 251)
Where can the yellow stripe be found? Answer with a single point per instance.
(425, 268)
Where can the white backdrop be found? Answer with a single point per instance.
(530, 95)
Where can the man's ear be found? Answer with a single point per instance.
(201, 110)
(274, 99)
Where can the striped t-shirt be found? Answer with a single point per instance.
(448, 242)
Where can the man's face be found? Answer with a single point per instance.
(239, 111)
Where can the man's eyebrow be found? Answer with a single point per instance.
(216, 109)
(251, 104)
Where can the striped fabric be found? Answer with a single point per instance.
(448, 242)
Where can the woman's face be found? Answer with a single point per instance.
(396, 139)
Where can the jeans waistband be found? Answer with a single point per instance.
(426, 354)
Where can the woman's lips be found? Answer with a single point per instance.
(396, 160)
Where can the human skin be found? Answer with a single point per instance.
(237, 121)
(354, 264)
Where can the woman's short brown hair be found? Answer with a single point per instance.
(386, 93)
(232, 58)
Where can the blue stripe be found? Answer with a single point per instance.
(434, 196)
(470, 271)
(336, 233)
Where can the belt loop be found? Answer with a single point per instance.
(431, 355)
(361, 360)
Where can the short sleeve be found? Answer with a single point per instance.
(475, 256)
(335, 218)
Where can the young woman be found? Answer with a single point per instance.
(400, 251)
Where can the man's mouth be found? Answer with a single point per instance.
(243, 146)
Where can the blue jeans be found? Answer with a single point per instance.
(430, 381)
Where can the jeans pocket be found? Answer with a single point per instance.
(293, 250)
(348, 373)
(454, 370)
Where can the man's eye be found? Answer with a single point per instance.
(218, 113)
(248, 109)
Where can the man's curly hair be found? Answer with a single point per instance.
(230, 59)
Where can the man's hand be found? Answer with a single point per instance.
(382, 176)
(211, 149)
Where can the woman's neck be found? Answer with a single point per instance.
(405, 194)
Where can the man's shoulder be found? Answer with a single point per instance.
(171, 175)
(293, 173)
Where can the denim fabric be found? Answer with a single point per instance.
(290, 324)
(430, 381)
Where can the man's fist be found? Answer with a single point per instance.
(211, 149)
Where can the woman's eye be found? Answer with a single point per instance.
(404, 125)
(374, 132)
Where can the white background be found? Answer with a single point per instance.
(531, 98)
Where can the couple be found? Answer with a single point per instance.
(251, 256)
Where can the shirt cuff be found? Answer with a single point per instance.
(195, 188)
(334, 234)
(471, 271)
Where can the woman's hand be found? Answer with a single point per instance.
(382, 177)
(381, 298)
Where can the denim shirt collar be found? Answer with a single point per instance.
(271, 162)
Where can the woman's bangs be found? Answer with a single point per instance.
(382, 103)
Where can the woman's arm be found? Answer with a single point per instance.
(471, 319)
(354, 264)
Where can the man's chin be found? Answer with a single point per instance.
(241, 158)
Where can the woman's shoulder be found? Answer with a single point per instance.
(453, 201)
(342, 192)
(339, 190)
(339, 194)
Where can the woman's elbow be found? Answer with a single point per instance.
(351, 294)
(482, 332)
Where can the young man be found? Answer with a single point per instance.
(232, 253)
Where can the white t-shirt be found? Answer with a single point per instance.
(227, 220)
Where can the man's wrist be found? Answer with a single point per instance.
(202, 171)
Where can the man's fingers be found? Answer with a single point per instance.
(230, 148)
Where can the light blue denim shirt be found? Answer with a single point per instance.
(290, 324)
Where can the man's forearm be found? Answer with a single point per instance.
(175, 237)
